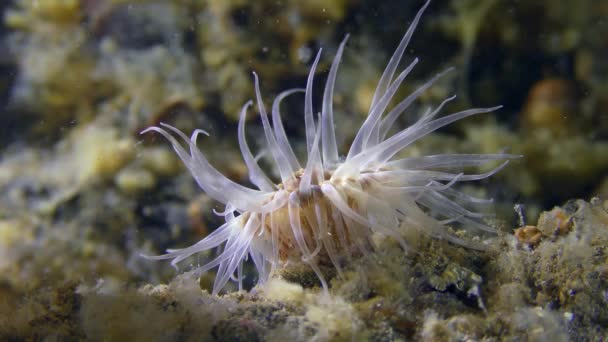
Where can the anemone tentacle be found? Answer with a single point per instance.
(309, 120)
(393, 63)
(285, 169)
(256, 175)
(328, 131)
(279, 130)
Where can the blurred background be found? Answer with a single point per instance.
(82, 193)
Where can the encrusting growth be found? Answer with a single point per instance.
(326, 210)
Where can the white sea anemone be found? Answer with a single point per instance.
(326, 210)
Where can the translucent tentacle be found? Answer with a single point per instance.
(393, 63)
(390, 119)
(364, 133)
(280, 159)
(214, 183)
(279, 130)
(309, 120)
(256, 175)
(328, 132)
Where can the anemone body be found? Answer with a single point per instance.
(326, 210)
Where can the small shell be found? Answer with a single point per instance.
(529, 236)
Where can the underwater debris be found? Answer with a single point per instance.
(552, 105)
(529, 236)
(325, 212)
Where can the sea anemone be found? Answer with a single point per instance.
(325, 211)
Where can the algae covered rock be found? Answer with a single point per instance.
(557, 291)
